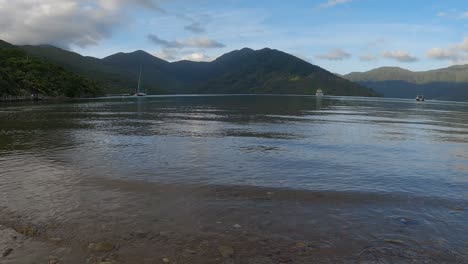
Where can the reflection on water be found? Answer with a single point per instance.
(77, 161)
(326, 144)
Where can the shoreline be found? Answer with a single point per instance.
(26, 99)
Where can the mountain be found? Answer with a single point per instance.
(240, 71)
(22, 75)
(446, 84)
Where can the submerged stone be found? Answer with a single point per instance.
(408, 221)
(394, 241)
(7, 252)
(226, 251)
(458, 209)
(27, 231)
(101, 247)
(190, 251)
(301, 244)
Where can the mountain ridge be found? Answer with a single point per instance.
(239, 71)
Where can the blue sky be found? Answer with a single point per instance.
(339, 35)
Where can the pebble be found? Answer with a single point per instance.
(301, 244)
(140, 234)
(7, 252)
(408, 221)
(166, 260)
(101, 247)
(27, 231)
(394, 241)
(190, 251)
(237, 226)
(260, 260)
(55, 239)
(53, 260)
(226, 251)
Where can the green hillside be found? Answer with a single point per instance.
(454, 74)
(445, 84)
(241, 71)
(23, 75)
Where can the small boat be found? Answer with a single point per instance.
(420, 98)
(319, 93)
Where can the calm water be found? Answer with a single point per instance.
(337, 144)
(352, 147)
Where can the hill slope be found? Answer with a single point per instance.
(448, 84)
(241, 71)
(21, 75)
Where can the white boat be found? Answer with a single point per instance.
(138, 92)
(420, 98)
(319, 93)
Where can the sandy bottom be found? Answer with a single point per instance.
(106, 221)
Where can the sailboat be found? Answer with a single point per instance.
(138, 92)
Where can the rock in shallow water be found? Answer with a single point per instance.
(394, 241)
(7, 252)
(190, 251)
(101, 247)
(226, 251)
(27, 231)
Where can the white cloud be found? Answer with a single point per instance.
(167, 54)
(334, 55)
(456, 53)
(64, 23)
(368, 58)
(170, 54)
(332, 3)
(441, 14)
(197, 56)
(200, 42)
(400, 56)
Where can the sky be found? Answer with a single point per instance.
(341, 36)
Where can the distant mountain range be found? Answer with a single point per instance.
(445, 84)
(245, 71)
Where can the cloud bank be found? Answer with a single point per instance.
(65, 23)
(400, 56)
(456, 53)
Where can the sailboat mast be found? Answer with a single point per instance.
(139, 81)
